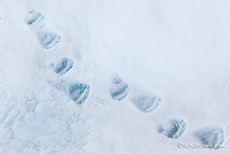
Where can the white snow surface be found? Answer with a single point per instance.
(178, 50)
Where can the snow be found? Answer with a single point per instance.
(213, 136)
(63, 66)
(173, 50)
(119, 89)
(176, 129)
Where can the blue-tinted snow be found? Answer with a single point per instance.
(79, 92)
(175, 130)
(35, 17)
(119, 89)
(177, 49)
(117, 80)
(76, 91)
(146, 102)
(49, 39)
(63, 66)
(213, 137)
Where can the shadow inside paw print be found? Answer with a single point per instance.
(63, 66)
(175, 130)
(34, 18)
(49, 39)
(119, 89)
(211, 136)
(146, 102)
(79, 92)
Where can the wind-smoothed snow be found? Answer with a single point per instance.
(58, 92)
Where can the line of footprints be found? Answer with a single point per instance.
(78, 92)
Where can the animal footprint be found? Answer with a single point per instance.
(63, 66)
(213, 137)
(48, 39)
(77, 91)
(119, 89)
(175, 130)
(35, 18)
(146, 101)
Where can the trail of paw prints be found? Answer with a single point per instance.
(142, 99)
(77, 91)
(146, 102)
(47, 38)
(209, 137)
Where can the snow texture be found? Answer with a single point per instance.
(176, 129)
(63, 66)
(79, 92)
(119, 89)
(56, 62)
(49, 39)
(146, 102)
(212, 136)
(35, 18)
